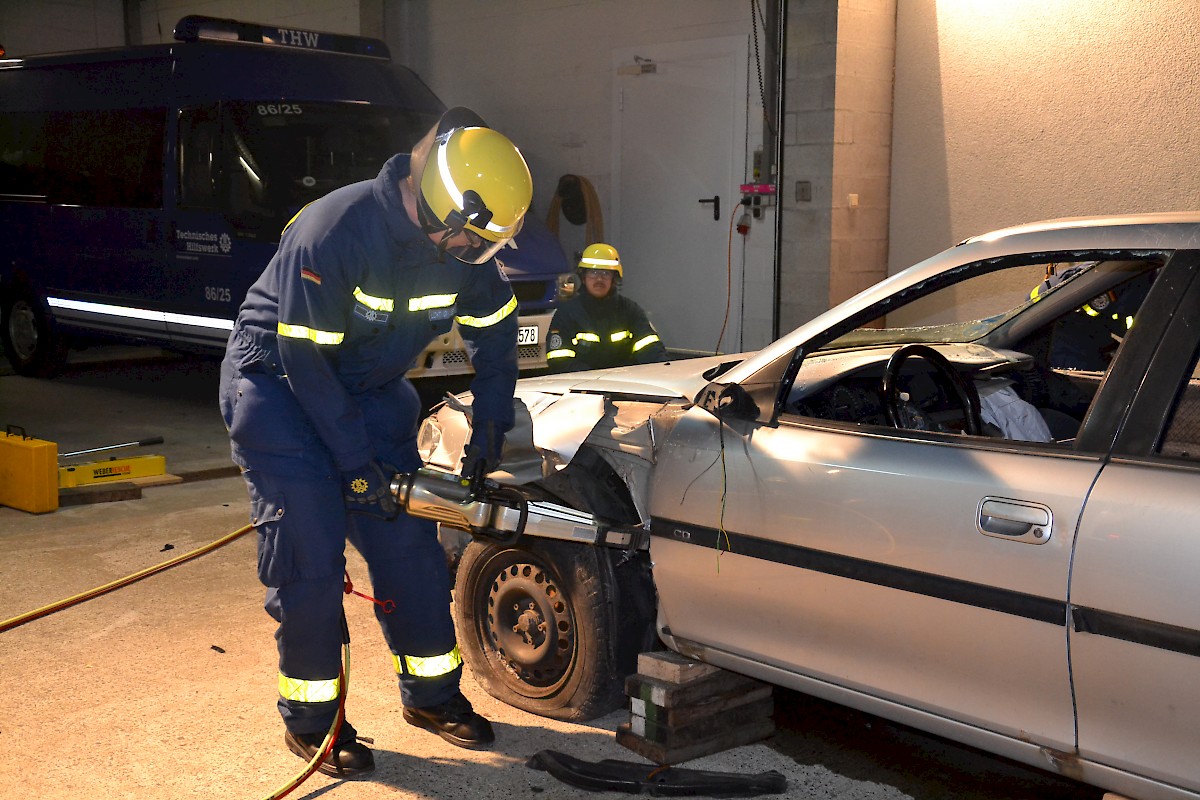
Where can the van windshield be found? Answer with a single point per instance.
(261, 162)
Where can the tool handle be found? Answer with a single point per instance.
(142, 443)
(478, 479)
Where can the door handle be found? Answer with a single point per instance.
(1014, 520)
(716, 201)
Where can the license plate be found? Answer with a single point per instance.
(527, 334)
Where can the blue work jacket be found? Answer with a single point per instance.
(352, 297)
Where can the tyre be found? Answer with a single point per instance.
(552, 627)
(31, 343)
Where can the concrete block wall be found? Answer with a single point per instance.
(837, 147)
(810, 83)
(862, 146)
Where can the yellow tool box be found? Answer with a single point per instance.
(115, 469)
(28, 472)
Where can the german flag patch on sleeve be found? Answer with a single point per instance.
(309, 275)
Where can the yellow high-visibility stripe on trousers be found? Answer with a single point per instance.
(302, 691)
(428, 666)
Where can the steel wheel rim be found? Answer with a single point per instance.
(527, 624)
(22, 330)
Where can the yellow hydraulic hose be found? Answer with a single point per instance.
(9, 624)
(330, 738)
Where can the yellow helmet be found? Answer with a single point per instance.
(474, 185)
(601, 256)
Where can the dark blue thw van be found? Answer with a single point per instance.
(143, 189)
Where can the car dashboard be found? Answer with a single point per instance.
(847, 387)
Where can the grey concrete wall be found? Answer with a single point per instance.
(1024, 110)
(541, 71)
(810, 97)
(337, 16)
(50, 27)
(837, 153)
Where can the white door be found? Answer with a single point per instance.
(680, 137)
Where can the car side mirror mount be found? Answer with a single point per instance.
(727, 401)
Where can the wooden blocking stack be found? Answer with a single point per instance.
(682, 709)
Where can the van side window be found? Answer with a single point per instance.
(199, 157)
(23, 154)
(106, 158)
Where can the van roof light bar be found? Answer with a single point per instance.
(196, 27)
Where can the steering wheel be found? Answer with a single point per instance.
(904, 413)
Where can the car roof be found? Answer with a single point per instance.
(1129, 232)
(1119, 223)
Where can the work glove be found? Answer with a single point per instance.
(483, 451)
(367, 490)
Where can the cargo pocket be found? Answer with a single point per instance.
(276, 561)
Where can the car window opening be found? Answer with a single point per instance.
(1034, 342)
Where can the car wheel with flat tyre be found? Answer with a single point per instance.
(552, 627)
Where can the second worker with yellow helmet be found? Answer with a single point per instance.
(598, 327)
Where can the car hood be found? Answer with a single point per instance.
(681, 378)
(556, 414)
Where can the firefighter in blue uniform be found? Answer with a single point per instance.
(1088, 339)
(320, 415)
(598, 327)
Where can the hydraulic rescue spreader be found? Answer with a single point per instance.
(486, 509)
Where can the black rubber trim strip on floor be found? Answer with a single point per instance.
(630, 777)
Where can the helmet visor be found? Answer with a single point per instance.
(457, 238)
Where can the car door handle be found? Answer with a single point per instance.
(1015, 520)
(716, 201)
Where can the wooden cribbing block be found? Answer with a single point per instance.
(673, 753)
(709, 726)
(709, 711)
(718, 685)
(99, 493)
(671, 667)
(680, 716)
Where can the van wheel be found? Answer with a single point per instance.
(537, 623)
(31, 343)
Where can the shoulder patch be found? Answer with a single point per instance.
(309, 275)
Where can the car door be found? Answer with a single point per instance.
(859, 560)
(1135, 597)
(925, 569)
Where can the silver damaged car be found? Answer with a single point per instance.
(965, 500)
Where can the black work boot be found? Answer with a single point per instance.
(455, 721)
(349, 758)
